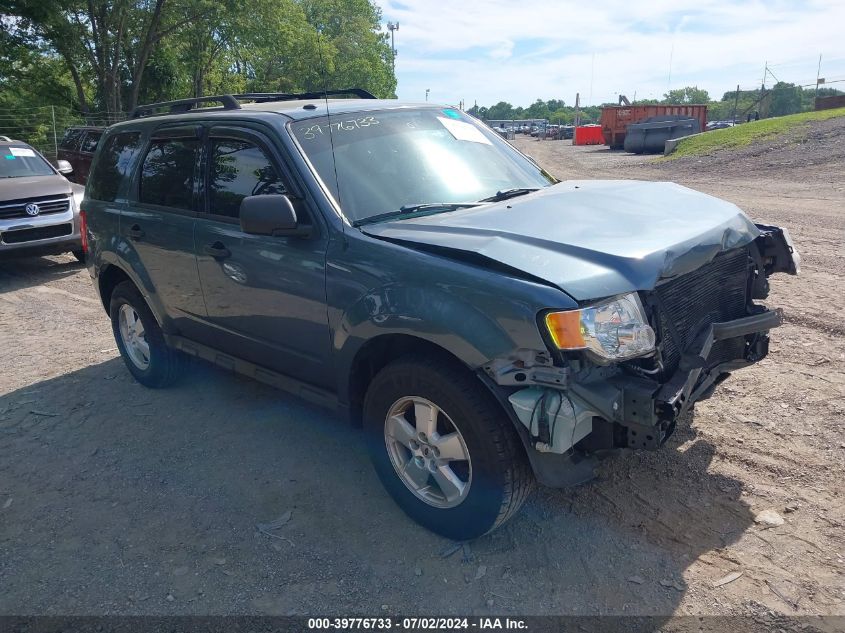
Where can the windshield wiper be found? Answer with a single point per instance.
(509, 193)
(415, 208)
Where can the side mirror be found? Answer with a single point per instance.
(64, 167)
(271, 215)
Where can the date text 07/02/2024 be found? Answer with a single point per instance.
(411, 624)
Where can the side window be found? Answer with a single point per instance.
(71, 138)
(167, 175)
(239, 169)
(89, 144)
(113, 165)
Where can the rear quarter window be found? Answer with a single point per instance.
(113, 165)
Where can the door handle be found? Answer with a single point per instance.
(217, 250)
(135, 232)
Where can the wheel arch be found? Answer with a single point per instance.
(377, 353)
(113, 274)
(108, 279)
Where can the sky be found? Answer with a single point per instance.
(487, 51)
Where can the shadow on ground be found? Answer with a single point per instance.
(118, 499)
(23, 272)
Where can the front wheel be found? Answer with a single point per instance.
(444, 449)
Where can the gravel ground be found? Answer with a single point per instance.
(119, 500)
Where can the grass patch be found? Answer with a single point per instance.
(747, 133)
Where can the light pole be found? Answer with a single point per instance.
(427, 90)
(393, 27)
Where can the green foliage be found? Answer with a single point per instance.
(554, 110)
(785, 99)
(687, 95)
(109, 55)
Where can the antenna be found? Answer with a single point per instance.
(329, 119)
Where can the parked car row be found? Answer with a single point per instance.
(718, 125)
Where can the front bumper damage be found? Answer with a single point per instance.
(571, 412)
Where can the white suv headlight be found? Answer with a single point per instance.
(614, 330)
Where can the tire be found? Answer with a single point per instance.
(496, 477)
(80, 256)
(163, 364)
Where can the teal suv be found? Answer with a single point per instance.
(487, 325)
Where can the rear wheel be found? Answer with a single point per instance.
(140, 339)
(444, 449)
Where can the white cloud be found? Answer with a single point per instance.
(496, 50)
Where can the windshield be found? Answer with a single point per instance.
(22, 161)
(387, 160)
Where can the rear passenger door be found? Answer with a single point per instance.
(158, 227)
(265, 295)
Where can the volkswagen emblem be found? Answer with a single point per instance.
(32, 209)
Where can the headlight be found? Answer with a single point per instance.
(614, 330)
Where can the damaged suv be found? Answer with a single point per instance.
(486, 324)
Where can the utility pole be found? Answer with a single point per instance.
(736, 102)
(393, 27)
(818, 75)
(765, 72)
(577, 116)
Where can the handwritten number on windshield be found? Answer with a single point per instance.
(348, 125)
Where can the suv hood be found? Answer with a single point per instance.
(33, 186)
(590, 238)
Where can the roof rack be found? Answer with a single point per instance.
(263, 97)
(181, 106)
(230, 102)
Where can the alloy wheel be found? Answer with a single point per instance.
(428, 452)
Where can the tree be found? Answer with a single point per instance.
(271, 47)
(687, 95)
(110, 41)
(113, 52)
(502, 110)
(785, 99)
(351, 35)
(537, 110)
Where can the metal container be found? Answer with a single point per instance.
(615, 119)
(650, 136)
(587, 135)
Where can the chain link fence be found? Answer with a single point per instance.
(43, 127)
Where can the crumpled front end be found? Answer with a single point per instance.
(706, 325)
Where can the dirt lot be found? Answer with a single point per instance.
(116, 499)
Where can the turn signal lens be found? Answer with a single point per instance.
(614, 330)
(565, 329)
